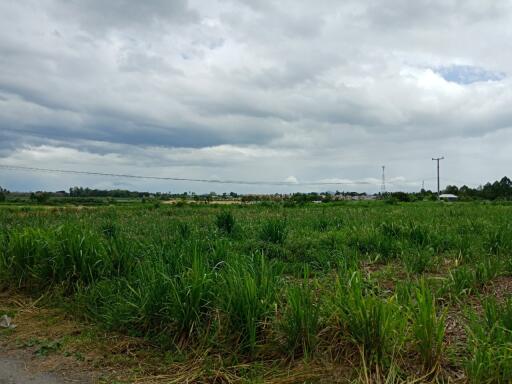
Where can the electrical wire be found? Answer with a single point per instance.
(212, 181)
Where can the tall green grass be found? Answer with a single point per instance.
(428, 328)
(301, 322)
(222, 283)
(490, 344)
(373, 323)
(247, 296)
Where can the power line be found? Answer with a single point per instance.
(212, 181)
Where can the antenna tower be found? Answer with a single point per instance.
(383, 185)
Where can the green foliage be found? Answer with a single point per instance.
(184, 229)
(300, 323)
(321, 224)
(225, 221)
(40, 197)
(373, 323)
(247, 295)
(174, 276)
(428, 328)
(274, 231)
(498, 240)
(490, 344)
(417, 261)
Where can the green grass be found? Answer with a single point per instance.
(428, 328)
(373, 323)
(301, 321)
(229, 284)
(490, 343)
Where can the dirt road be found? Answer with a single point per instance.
(13, 371)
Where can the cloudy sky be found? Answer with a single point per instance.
(255, 90)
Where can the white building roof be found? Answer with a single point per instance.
(448, 196)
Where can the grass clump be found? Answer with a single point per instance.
(246, 296)
(428, 328)
(373, 323)
(418, 261)
(490, 344)
(300, 323)
(225, 221)
(274, 231)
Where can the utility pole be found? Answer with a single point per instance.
(383, 185)
(438, 159)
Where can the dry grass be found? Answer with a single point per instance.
(84, 352)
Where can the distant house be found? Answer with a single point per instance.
(448, 197)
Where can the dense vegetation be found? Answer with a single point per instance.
(391, 290)
(498, 190)
(501, 189)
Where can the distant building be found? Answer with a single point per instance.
(448, 197)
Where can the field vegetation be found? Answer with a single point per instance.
(356, 291)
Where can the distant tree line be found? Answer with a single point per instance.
(499, 190)
(3, 194)
(119, 193)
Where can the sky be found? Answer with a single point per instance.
(322, 91)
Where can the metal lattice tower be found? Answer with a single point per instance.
(383, 185)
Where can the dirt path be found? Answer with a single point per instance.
(13, 371)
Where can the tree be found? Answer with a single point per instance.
(451, 189)
(2, 196)
(40, 197)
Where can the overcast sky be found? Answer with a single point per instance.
(255, 90)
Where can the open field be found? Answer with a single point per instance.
(264, 293)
